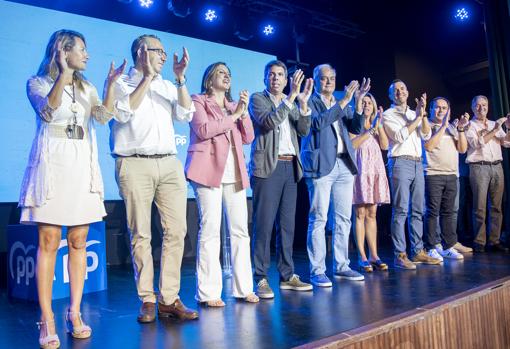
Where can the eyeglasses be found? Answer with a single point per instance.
(159, 51)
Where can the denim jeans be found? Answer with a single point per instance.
(407, 183)
(337, 187)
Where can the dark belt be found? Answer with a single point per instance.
(407, 157)
(286, 157)
(341, 155)
(489, 163)
(143, 156)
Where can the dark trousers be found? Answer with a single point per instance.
(274, 202)
(440, 193)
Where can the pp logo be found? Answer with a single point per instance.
(181, 139)
(91, 255)
(22, 262)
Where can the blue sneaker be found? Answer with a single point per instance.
(321, 280)
(350, 275)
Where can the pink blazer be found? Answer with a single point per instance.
(209, 142)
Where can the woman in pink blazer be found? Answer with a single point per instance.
(216, 168)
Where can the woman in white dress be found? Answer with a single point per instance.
(62, 185)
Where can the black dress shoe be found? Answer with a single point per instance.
(147, 312)
(478, 248)
(498, 248)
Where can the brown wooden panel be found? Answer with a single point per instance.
(478, 318)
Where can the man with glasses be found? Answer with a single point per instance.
(147, 171)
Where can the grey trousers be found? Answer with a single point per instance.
(487, 181)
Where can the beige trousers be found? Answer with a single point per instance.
(143, 181)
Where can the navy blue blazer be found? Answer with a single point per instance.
(319, 147)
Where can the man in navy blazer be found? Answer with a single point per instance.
(329, 168)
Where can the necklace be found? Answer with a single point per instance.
(74, 106)
(73, 130)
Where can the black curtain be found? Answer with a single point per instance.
(497, 31)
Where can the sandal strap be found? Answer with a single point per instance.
(48, 339)
(44, 323)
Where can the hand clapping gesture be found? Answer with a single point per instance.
(241, 105)
(114, 74)
(304, 96)
(421, 104)
(147, 69)
(463, 121)
(180, 66)
(295, 83)
(349, 91)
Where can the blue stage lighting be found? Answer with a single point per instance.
(210, 15)
(146, 3)
(461, 14)
(268, 30)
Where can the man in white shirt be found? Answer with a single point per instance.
(485, 138)
(147, 171)
(406, 129)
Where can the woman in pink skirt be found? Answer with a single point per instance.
(371, 184)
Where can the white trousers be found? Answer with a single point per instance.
(209, 274)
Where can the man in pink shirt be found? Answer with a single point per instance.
(485, 138)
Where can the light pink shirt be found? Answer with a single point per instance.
(478, 150)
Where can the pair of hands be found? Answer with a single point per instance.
(296, 80)
(179, 65)
(505, 120)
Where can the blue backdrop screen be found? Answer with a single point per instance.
(24, 33)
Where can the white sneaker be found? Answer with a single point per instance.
(434, 254)
(439, 248)
(452, 253)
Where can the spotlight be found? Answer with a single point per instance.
(146, 3)
(245, 28)
(210, 15)
(180, 8)
(461, 14)
(268, 30)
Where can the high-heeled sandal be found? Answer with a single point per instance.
(251, 298)
(81, 332)
(365, 266)
(50, 341)
(215, 303)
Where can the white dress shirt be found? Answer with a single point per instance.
(285, 145)
(149, 129)
(478, 150)
(340, 148)
(401, 142)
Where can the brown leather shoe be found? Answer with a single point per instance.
(177, 310)
(147, 312)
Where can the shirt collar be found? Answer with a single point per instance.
(274, 99)
(325, 100)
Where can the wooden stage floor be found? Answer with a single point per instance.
(291, 319)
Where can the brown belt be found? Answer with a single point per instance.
(493, 163)
(286, 157)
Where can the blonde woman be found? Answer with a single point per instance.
(370, 184)
(62, 185)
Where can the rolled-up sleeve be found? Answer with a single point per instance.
(424, 136)
(123, 111)
(473, 139)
